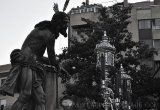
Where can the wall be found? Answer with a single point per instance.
(9, 99)
(133, 27)
(76, 18)
(151, 12)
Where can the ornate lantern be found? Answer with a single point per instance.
(126, 83)
(104, 48)
(105, 55)
(105, 58)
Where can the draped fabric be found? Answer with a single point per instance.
(38, 72)
(10, 83)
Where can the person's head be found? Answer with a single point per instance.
(60, 20)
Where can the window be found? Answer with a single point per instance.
(85, 10)
(72, 12)
(147, 62)
(82, 11)
(144, 24)
(157, 44)
(149, 42)
(156, 23)
(2, 103)
(97, 9)
(92, 9)
(156, 65)
(76, 11)
(74, 31)
(145, 34)
(88, 9)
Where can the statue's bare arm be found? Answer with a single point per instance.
(50, 42)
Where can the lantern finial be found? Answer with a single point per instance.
(105, 33)
(122, 69)
(105, 37)
(121, 66)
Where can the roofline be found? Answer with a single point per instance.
(88, 6)
(3, 72)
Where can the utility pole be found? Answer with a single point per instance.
(87, 2)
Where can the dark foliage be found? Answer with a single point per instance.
(81, 55)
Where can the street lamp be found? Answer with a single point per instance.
(126, 85)
(105, 59)
(122, 89)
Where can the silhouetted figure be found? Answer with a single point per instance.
(27, 63)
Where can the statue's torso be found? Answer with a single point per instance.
(35, 43)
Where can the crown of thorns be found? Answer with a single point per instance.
(56, 9)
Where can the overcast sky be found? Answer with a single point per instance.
(18, 17)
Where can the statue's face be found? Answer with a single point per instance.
(63, 27)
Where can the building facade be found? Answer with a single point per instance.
(85, 11)
(6, 101)
(145, 26)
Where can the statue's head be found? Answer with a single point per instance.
(61, 20)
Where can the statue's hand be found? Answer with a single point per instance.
(64, 74)
(57, 67)
(63, 71)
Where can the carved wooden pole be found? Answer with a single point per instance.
(51, 89)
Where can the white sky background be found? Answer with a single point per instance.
(18, 18)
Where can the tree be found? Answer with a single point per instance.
(82, 55)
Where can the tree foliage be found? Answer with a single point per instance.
(82, 55)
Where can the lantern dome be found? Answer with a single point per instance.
(105, 45)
